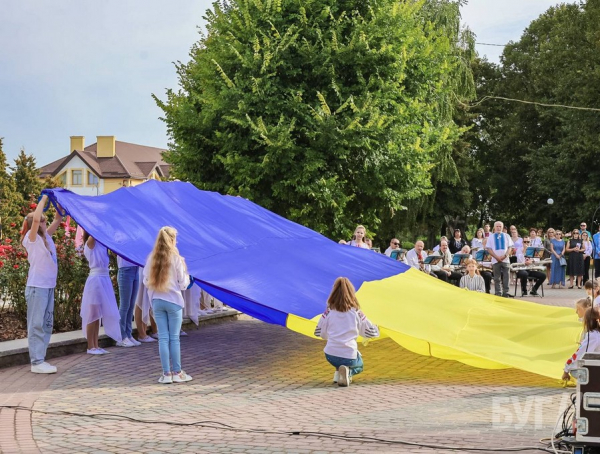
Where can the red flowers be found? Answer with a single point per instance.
(1, 264)
(16, 267)
(33, 206)
(12, 224)
(7, 240)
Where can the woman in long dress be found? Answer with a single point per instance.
(557, 271)
(547, 250)
(98, 302)
(587, 254)
(575, 249)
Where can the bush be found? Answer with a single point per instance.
(73, 270)
(407, 245)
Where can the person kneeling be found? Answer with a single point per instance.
(340, 325)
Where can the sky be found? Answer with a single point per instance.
(89, 68)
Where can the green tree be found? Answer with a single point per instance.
(26, 176)
(328, 112)
(546, 152)
(10, 200)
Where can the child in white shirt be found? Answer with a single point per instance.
(340, 325)
(41, 281)
(590, 341)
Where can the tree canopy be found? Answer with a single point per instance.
(538, 152)
(331, 113)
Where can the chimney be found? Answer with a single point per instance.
(105, 147)
(77, 143)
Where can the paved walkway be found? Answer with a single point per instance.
(251, 375)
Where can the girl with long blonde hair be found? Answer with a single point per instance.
(358, 239)
(165, 276)
(340, 325)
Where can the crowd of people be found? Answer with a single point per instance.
(536, 257)
(498, 253)
(157, 295)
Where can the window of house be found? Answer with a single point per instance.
(92, 179)
(76, 177)
(63, 178)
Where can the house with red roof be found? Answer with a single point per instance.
(106, 165)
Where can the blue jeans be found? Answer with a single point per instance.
(128, 281)
(355, 365)
(40, 320)
(168, 317)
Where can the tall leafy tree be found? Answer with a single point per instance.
(10, 199)
(329, 112)
(26, 176)
(540, 152)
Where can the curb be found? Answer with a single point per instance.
(16, 353)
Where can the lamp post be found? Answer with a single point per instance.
(550, 202)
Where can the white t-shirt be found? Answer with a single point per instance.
(477, 243)
(341, 329)
(43, 267)
(536, 242)
(499, 243)
(597, 302)
(361, 245)
(124, 263)
(178, 281)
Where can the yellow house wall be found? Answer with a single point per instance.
(111, 185)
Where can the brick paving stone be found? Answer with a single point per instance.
(251, 375)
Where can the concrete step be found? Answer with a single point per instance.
(16, 352)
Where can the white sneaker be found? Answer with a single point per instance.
(125, 343)
(181, 377)
(202, 312)
(95, 351)
(154, 336)
(134, 342)
(165, 379)
(336, 376)
(344, 377)
(146, 339)
(182, 333)
(43, 368)
(103, 352)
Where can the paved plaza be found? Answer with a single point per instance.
(256, 383)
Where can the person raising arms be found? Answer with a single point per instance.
(36, 238)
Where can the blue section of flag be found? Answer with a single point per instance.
(244, 255)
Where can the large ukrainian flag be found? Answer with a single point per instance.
(281, 272)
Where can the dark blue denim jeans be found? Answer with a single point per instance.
(128, 280)
(355, 365)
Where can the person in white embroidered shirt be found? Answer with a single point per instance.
(472, 280)
(590, 341)
(165, 276)
(394, 244)
(443, 270)
(499, 245)
(478, 240)
(340, 325)
(415, 257)
(535, 240)
(523, 275)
